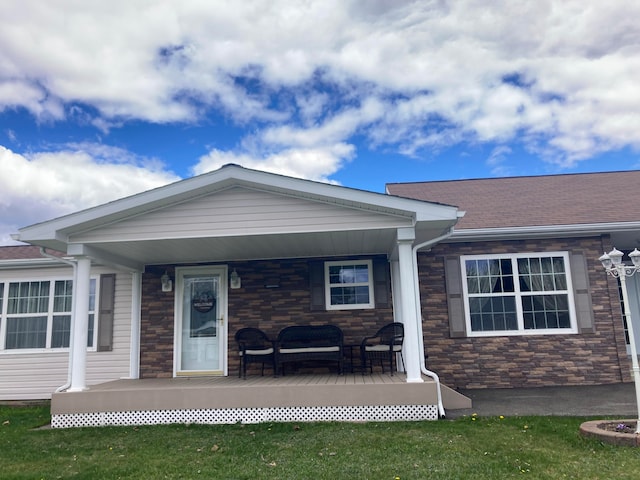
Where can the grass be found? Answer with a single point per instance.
(470, 447)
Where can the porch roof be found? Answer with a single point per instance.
(236, 213)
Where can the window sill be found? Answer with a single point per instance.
(38, 351)
(522, 333)
(332, 308)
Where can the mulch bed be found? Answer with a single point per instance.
(618, 427)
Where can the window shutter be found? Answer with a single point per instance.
(582, 292)
(455, 299)
(316, 285)
(381, 284)
(105, 312)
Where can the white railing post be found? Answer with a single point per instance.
(78, 355)
(412, 356)
(136, 296)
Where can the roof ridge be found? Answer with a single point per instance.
(515, 177)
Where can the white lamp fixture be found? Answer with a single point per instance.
(606, 261)
(234, 280)
(613, 265)
(167, 284)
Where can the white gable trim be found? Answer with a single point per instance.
(55, 233)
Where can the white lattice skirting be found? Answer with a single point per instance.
(249, 415)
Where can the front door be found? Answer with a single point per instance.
(201, 298)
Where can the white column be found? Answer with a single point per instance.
(78, 354)
(134, 344)
(395, 290)
(412, 353)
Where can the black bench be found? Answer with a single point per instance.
(301, 343)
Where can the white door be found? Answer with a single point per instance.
(201, 299)
(633, 291)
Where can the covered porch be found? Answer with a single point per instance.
(240, 248)
(226, 400)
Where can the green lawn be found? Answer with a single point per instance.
(467, 448)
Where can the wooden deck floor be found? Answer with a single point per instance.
(253, 381)
(350, 397)
(254, 392)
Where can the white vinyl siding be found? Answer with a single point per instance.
(31, 376)
(242, 211)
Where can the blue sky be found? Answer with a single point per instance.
(101, 100)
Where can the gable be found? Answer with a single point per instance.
(240, 211)
(221, 215)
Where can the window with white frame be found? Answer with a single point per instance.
(518, 294)
(349, 285)
(37, 314)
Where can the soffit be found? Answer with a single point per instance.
(267, 246)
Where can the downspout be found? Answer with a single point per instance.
(44, 253)
(423, 365)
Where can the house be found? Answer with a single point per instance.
(508, 294)
(516, 295)
(171, 274)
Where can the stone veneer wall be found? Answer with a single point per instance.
(156, 326)
(252, 305)
(525, 361)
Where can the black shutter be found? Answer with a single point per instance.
(582, 292)
(105, 312)
(316, 285)
(381, 283)
(455, 298)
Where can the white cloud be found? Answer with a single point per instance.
(337, 127)
(316, 163)
(496, 161)
(558, 75)
(46, 185)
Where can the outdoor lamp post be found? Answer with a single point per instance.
(612, 263)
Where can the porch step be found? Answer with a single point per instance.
(453, 400)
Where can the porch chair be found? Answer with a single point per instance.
(254, 346)
(384, 345)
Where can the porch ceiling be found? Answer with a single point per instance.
(220, 249)
(252, 247)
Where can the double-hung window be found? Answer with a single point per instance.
(349, 285)
(518, 294)
(37, 314)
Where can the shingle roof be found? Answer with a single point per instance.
(23, 252)
(575, 199)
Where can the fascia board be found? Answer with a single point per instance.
(540, 231)
(346, 196)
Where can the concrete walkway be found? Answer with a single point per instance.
(590, 400)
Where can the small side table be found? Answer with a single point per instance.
(355, 364)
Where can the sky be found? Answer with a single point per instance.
(100, 100)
